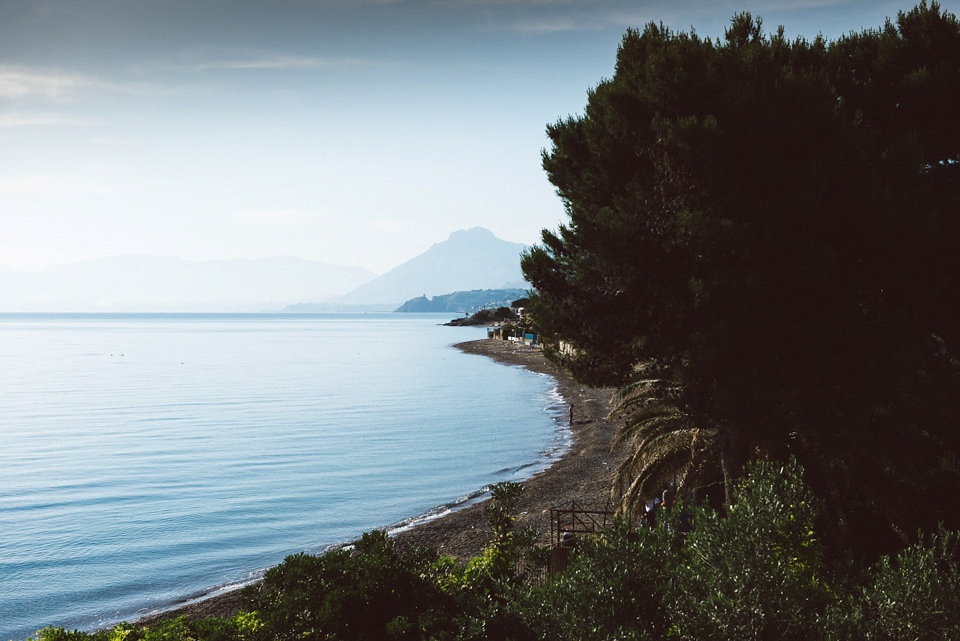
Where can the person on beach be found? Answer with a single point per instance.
(649, 517)
(667, 501)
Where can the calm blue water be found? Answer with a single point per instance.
(149, 458)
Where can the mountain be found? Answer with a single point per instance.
(469, 259)
(466, 302)
(156, 283)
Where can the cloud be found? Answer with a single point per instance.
(545, 16)
(552, 16)
(14, 119)
(220, 59)
(23, 184)
(20, 82)
(273, 61)
(23, 83)
(520, 3)
(552, 24)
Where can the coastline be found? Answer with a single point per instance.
(584, 474)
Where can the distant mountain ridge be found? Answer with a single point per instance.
(464, 302)
(470, 259)
(165, 284)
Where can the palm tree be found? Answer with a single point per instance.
(667, 445)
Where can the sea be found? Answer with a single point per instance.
(150, 460)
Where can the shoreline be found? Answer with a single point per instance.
(584, 474)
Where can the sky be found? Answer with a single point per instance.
(354, 132)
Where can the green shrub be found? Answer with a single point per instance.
(59, 634)
(370, 592)
(914, 596)
(611, 590)
(498, 561)
(242, 627)
(756, 572)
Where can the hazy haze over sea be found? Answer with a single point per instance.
(148, 458)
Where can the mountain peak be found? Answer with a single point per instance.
(470, 259)
(473, 234)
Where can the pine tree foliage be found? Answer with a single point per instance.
(772, 223)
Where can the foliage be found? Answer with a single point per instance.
(60, 634)
(913, 596)
(756, 572)
(612, 590)
(497, 564)
(370, 592)
(463, 301)
(485, 589)
(772, 225)
(242, 627)
(498, 314)
(486, 315)
(666, 445)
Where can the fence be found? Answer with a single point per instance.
(577, 519)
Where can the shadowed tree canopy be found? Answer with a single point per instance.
(773, 224)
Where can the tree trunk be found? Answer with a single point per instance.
(732, 458)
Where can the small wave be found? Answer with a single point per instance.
(518, 468)
(203, 595)
(440, 511)
(561, 443)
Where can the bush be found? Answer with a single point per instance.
(914, 596)
(756, 573)
(242, 627)
(611, 590)
(370, 592)
(497, 563)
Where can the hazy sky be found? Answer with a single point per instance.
(352, 132)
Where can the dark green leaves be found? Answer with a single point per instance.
(774, 224)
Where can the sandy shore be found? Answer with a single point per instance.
(584, 474)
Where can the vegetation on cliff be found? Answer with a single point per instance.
(464, 302)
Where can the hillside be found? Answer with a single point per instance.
(470, 259)
(463, 302)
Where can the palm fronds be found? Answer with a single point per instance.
(667, 447)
